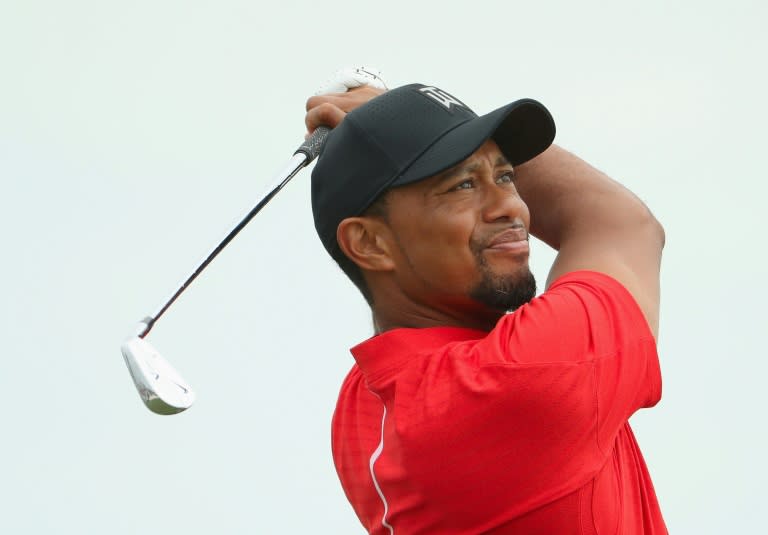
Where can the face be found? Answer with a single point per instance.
(461, 238)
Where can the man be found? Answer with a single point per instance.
(461, 416)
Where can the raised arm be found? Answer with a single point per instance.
(595, 224)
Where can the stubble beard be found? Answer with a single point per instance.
(504, 292)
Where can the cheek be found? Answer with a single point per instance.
(438, 248)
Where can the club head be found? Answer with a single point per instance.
(161, 387)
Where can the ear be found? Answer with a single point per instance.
(365, 241)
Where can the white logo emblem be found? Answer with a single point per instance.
(441, 97)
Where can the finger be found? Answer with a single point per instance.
(325, 114)
(340, 100)
(333, 98)
(346, 101)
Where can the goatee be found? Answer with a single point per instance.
(507, 292)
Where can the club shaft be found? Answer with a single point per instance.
(294, 165)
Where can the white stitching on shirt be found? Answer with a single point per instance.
(374, 457)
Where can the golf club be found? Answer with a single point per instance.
(161, 387)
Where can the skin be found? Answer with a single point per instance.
(329, 110)
(425, 259)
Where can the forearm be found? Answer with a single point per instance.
(566, 195)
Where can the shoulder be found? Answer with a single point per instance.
(583, 315)
(591, 299)
(589, 279)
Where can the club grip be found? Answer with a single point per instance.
(313, 145)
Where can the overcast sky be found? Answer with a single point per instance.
(132, 134)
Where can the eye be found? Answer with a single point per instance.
(465, 184)
(508, 177)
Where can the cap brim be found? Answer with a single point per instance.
(522, 130)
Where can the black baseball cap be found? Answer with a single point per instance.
(408, 134)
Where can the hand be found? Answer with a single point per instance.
(346, 90)
(330, 110)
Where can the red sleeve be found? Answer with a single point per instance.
(585, 317)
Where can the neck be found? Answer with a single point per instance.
(397, 313)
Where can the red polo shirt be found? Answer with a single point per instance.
(522, 429)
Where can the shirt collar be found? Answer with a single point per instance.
(392, 348)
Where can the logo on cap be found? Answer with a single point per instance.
(441, 97)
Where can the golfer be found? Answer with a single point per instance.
(478, 407)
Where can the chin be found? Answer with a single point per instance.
(505, 293)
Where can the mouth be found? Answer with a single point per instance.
(514, 240)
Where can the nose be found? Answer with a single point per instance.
(502, 203)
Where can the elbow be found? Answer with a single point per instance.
(660, 234)
(653, 228)
(657, 229)
(638, 221)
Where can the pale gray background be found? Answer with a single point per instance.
(133, 133)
